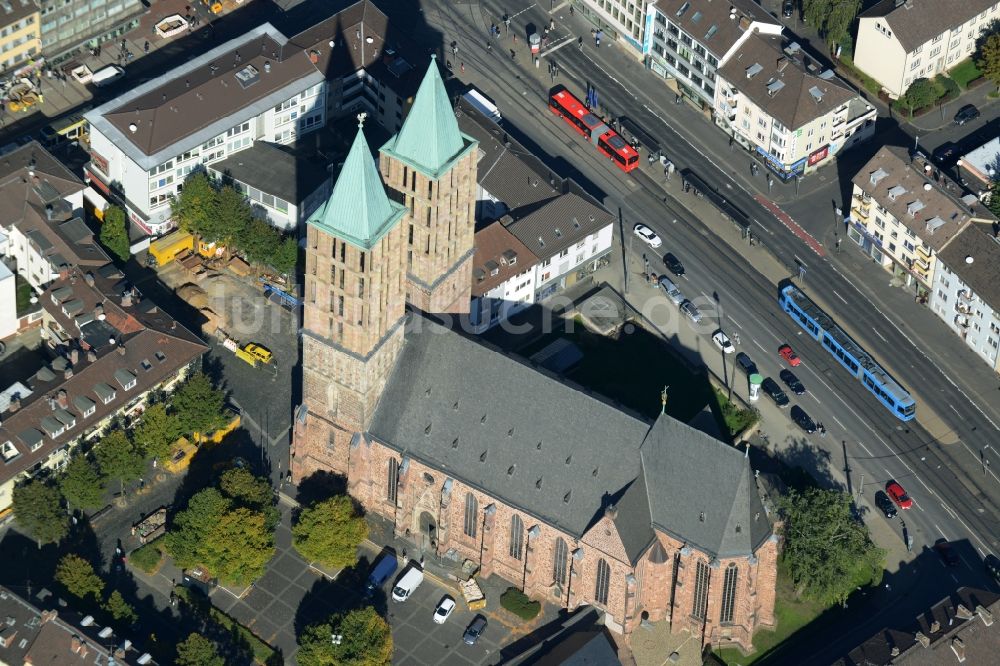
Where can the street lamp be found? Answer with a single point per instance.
(958, 171)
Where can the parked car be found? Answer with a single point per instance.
(671, 290)
(947, 552)
(691, 310)
(380, 573)
(723, 342)
(673, 264)
(647, 235)
(885, 504)
(774, 392)
(792, 382)
(746, 364)
(107, 75)
(803, 420)
(898, 495)
(444, 609)
(790, 356)
(787, 7)
(407, 584)
(474, 630)
(966, 114)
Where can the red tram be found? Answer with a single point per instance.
(563, 103)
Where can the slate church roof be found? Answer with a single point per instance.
(560, 453)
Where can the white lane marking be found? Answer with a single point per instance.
(838, 422)
(952, 408)
(948, 510)
(880, 336)
(759, 345)
(840, 297)
(813, 396)
(941, 531)
(738, 324)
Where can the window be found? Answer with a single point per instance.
(392, 480)
(516, 536)
(700, 591)
(729, 594)
(559, 563)
(471, 514)
(603, 582)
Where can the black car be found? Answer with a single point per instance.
(966, 114)
(474, 630)
(771, 388)
(792, 382)
(947, 552)
(885, 504)
(746, 364)
(802, 420)
(787, 7)
(673, 264)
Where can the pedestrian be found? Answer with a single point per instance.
(145, 47)
(513, 54)
(461, 66)
(489, 45)
(580, 42)
(515, 38)
(571, 10)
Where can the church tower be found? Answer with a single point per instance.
(432, 167)
(353, 316)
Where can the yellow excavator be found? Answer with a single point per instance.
(22, 96)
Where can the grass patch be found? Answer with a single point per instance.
(23, 294)
(200, 604)
(147, 558)
(965, 73)
(791, 614)
(869, 84)
(736, 419)
(518, 603)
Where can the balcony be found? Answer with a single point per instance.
(863, 212)
(962, 308)
(961, 321)
(965, 295)
(924, 251)
(920, 264)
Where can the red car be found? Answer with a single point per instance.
(898, 495)
(787, 354)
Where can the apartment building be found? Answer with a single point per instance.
(70, 28)
(691, 39)
(627, 20)
(20, 34)
(966, 295)
(108, 350)
(904, 213)
(780, 103)
(503, 276)
(900, 41)
(8, 303)
(261, 86)
(979, 168)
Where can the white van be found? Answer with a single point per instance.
(107, 75)
(406, 585)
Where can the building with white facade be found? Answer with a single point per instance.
(690, 39)
(966, 293)
(900, 41)
(781, 104)
(261, 86)
(8, 303)
(503, 276)
(979, 168)
(904, 213)
(626, 20)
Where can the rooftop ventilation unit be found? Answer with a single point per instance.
(816, 93)
(774, 85)
(915, 207)
(754, 69)
(878, 175)
(826, 74)
(896, 191)
(248, 76)
(934, 224)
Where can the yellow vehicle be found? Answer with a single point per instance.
(262, 354)
(69, 128)
(164, 250)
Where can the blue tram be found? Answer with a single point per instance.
(848, 353)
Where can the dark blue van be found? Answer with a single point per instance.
(381, 573)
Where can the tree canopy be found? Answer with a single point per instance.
(197, 405)
(831, 18)
(233, 213)
(329, 532)
(365, 640)
(251, 491)
(194, 206)
(196, 650)
(988, 58)
(921, 93)
(234, 543)
(77, 575)
(829, 553)
(119, 609)
(38, 509)
(81, 484)
(114, 233)
(119, 458)
(156, 431)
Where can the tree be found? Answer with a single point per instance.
(198, 406)
(988, 58)
(993, 203)
(832, 18)
(119, 609)
(259, 241)
(196, 650)
(114, 233)
(365, 640)
(77, 575)
(81, 484)
(286, 256)
(829, 553)
(38, 509)
(920, 94)
(156, 432)
(194, 206)
(329, 532)
(119, 458)
(254, 492)
(186, 538)
(233, 214)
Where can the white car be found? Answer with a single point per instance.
(722, 341)
(443, 610)
(647, 235)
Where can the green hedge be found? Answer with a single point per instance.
(201, 605)
(518, 603)
(148, 557)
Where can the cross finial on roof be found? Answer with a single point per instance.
(361, 119)
(663, 399)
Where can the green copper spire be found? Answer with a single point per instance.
(358, 211)
(429, 140)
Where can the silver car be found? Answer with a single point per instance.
(691, 310)
(671, 290)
